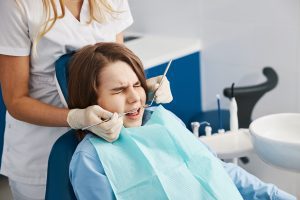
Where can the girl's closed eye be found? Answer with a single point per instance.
(137, 84)
(117, 90)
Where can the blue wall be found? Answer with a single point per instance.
(185, 82)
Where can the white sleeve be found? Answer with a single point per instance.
(123, 19)
(14, 32)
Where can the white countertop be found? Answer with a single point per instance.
(155, 50)
(230, 145)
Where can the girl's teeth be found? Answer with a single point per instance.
(133, 113)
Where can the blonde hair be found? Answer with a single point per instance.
(100, 11)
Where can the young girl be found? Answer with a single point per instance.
(34, 34)
(155, 156)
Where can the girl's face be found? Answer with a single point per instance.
(120, 91)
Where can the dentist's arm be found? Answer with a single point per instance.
(120, 38)
(14, 77)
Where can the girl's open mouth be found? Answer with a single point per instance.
(134, 114)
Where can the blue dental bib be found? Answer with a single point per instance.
(162, 160)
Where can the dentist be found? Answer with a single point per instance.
(34, 34)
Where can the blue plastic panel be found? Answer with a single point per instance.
(2, 124)
(184, 76)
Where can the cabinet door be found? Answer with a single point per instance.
(184, 76)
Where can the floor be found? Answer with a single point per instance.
(5, 193)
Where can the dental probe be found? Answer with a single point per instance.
(160, 83)
(106, 120)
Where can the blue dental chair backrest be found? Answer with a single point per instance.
(2, 124)
(62, 72)
(58, 184)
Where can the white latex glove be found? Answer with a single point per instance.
(163, 94)
(110, 130)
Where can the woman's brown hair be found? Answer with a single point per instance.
(85, 68)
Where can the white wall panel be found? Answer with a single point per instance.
(238, 38)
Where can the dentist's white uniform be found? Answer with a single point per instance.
(26, 146)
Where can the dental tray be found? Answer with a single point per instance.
(229, 145)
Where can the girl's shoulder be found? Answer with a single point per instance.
(86, 147)
(86, 155)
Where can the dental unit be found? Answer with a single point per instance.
(233, 112)
(196, 125)
(220, 130)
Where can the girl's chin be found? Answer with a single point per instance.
(133, 124)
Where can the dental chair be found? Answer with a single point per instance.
(58, 183)
(2, 126)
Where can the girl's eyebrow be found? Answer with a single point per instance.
(123, 86)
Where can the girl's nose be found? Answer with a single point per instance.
(133, 95)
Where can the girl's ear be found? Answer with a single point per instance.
(95, 88)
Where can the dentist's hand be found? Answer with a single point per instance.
(163, 94)
(109, 131)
